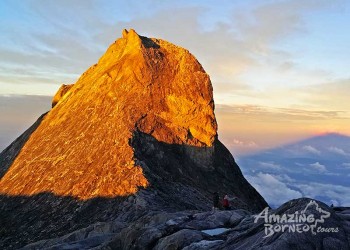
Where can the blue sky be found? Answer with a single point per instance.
(280, 65)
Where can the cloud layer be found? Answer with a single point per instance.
(307, 168)
(272, 189)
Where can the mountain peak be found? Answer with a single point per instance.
(116, 129)
(332, 134)
(82, 146)
(131, 34)
(136, 133)
(132, 37)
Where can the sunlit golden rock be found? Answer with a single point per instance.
(62, 91)
(82, 146)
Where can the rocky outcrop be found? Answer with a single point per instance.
(135, 135)
(191, 230)
(62, 91)
(81, 147)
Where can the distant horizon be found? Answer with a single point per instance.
(289, 143)
(41, 104)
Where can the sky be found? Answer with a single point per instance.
(279, 69)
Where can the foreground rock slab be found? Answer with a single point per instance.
(187, 230)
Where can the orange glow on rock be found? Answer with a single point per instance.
(82, 146)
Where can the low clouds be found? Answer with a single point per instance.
(319, 167)
(307, 167)
(277, 189)
(338, 151)
(270, 165)
(272, 189)
(311, 149)
(337, 193)
(346, 165)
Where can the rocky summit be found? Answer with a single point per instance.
(84, 145)
(129, 158)
(136, 131)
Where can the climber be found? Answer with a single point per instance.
(226, 203)
(215, 201)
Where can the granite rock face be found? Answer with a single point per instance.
(193, 230)
(62, 91)
(135, 134)
(82, 146)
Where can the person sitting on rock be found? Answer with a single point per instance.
(215, 201)
(226, 203)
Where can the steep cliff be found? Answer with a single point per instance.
(140, 123)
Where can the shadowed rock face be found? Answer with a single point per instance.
(207, 169)
(136, 133)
